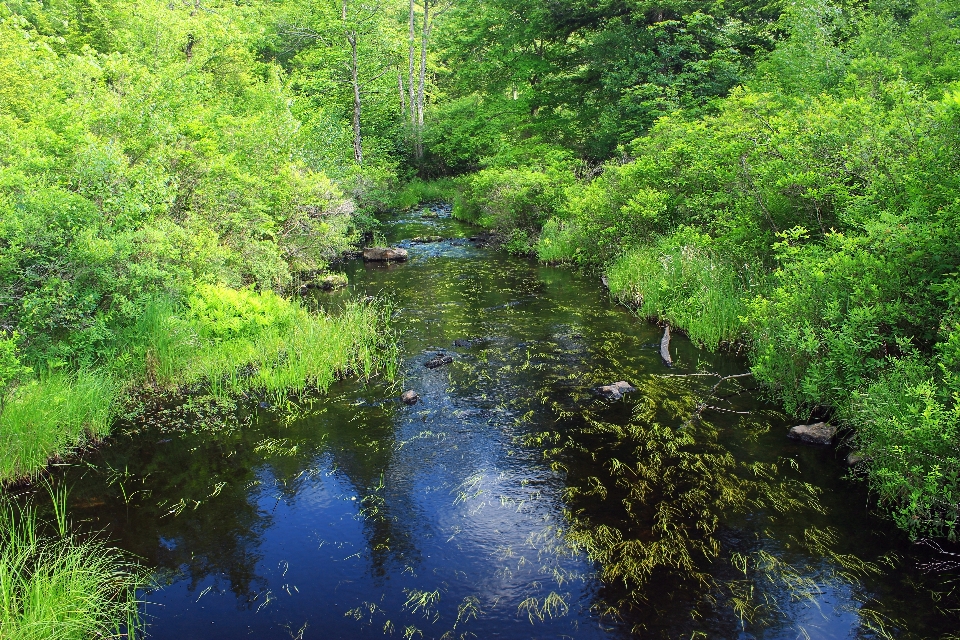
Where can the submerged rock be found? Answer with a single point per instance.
(462, 343)
(410, 397)
(817, 433)
(426, 239)
(384, 254)
(438, 361)
(616, 390)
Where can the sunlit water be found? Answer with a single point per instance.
(363, 517)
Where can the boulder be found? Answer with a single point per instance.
(384, 254)
(410, 397)
(854, 458)
(438, 361)
(616, 390)
(817, 433)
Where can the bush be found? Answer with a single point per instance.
(908, 431)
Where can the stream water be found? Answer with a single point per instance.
(362, 517)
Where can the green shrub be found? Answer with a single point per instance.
(418, 192)
(908, 432)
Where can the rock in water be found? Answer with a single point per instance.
(384, 254)
(817, 433)
(616, 390)
(410, 397)
(438, 361)
(332, 282)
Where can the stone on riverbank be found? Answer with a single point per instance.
(384, 254)
(817, 433)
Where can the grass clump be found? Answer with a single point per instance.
(682, 282)
(60, 586)
(51, 416)
(241, 341)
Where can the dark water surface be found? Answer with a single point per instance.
(365, 518)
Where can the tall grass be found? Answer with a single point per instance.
(418, 192)
(51, 416)
(305, 352)
(60, 587)
(688, 287)
(243, 341)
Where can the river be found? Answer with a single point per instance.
(357, 516)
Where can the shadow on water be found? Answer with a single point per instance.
(511, 501)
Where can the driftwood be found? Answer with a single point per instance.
(665, 347)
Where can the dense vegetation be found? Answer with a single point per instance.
(777, 176)
(781, 176)
(160, 185)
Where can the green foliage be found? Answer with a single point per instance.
(51, 417)
(221, 313)
(63, 586)
(909, 431)
(418, 192)
(682, 281)
(514, 197)
(11, 369)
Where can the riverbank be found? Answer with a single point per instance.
(228, 343)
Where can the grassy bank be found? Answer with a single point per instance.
(228, 342)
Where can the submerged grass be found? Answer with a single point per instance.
(60, 586)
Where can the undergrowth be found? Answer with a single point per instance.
(228, 342)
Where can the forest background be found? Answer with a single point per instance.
(780, 176)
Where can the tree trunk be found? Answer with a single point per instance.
(412, 40)
(403, 96)
(425, 38)
(355, 80)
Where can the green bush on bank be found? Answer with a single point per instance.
(682, 281)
